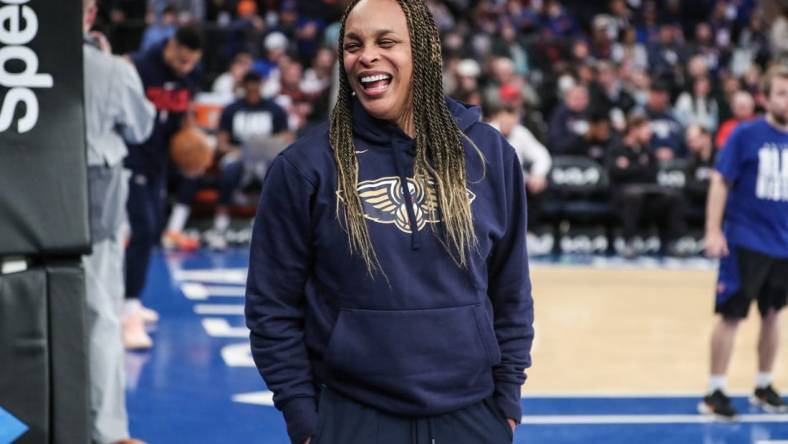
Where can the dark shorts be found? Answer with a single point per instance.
(344, 421)
(747, 276)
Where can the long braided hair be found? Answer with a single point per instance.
(440, 156)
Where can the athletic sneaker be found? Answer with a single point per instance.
(149, 315)
(177, 240)
(134, 335)
(215, 239)
(628, 251)
(769, 400)
(717, 404)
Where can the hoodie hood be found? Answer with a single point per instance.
(382, 132)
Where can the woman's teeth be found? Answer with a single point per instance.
(369, 79)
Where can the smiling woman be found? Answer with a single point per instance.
(381, 39)
(378, 62)
(389, 297)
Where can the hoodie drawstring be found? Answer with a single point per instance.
(414, 431)
(399, 151)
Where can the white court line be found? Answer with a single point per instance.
(238, 355)
(663, 395)
(771, 442)
(218, 309)
(212, 276)
(199, 292)
(220, 328)
(645, 419)
(256, 398)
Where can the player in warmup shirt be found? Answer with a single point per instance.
(169, 75)
(252, 131)
(750, 187)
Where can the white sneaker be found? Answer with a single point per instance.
(134, 335)
(215, 239)
(149, 315)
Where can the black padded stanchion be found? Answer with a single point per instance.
(43, 217)
(24, 352)
(43, 205)
(70, 421)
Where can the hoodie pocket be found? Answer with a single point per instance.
(436, 348)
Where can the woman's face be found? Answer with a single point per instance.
(702, 87)
(377, 58)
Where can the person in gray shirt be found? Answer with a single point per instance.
(116, 112)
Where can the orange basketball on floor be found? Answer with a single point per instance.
(191, 151)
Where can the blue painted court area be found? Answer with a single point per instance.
(199, 384)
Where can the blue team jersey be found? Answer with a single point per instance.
(754, 162)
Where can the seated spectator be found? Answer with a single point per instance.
(292, 98)
(275, 45)
(252, 131)
(608, 94)
(533, 156)
(603, 34)
(697, 66)
(637, 197)
(595, 143)
(556, 21)
(700, 166)
(229, 82)
(629, 51)
(317, 78)
(668, 134)
(666, 54)
(743, 110)
(699, 106)
(307, 29)
(638, 84)
(508, 45)
(505, 78)
(316, 84)
(467, 75)
(569, 120)
(729, 85)
(705, 46)
(162, 29)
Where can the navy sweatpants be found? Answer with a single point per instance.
(145, 208)
(344, 421)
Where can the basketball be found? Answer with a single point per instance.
(191, 151)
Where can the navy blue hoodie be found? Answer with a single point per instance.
(172, 96)
(439, 338)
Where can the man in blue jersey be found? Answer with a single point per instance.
(170, 77)
(750, 186)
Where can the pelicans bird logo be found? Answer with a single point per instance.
(384, 202)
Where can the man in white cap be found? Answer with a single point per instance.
(275, 45)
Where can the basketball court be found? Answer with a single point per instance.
(620, 356)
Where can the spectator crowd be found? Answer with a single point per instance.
(636, 90)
